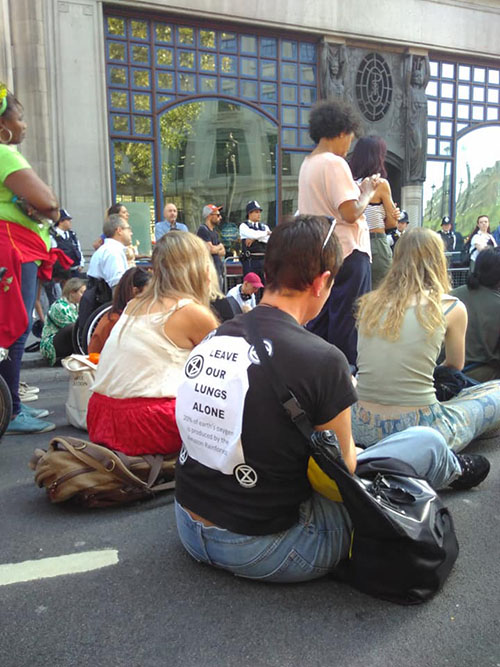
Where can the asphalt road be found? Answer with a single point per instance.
(157, 607)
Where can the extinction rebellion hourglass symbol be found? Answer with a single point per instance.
(373, 87)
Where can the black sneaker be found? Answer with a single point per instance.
(475, 468)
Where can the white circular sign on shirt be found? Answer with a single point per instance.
(246, 476)
(194, 366)
(183, 455)
(252, 353)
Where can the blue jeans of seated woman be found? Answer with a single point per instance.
(473, 412)
(10, 369)
(321, 537)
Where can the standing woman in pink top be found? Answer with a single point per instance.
(326, 187)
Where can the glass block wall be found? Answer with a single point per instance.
(152, 63)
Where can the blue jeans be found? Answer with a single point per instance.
(474, 411)
(321, 537)
(10, 369)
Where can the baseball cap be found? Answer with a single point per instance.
(446, 220)
(253, 279)
(403, 217)
(253, 206)
(211, 208)
(64, 215)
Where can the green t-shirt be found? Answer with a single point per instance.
(10, 161)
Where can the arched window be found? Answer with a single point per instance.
(216, 151)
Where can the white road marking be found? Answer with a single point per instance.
(30, 570)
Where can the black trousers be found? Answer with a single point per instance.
(336, 323)
(63, 341)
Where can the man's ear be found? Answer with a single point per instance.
(320, 283)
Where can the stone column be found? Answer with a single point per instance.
(412, 203)
(28, 53)
(6, 74)
(79, 123)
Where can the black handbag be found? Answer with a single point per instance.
(403, 542)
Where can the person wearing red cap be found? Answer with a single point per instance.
(244, 294)
(208, 232)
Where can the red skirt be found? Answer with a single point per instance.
(134, 426)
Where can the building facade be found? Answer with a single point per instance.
(208, 101)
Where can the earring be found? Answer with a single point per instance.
(6, 129)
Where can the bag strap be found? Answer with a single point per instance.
(285, 396)
(106, 460)
(155, 461)
(113, 462)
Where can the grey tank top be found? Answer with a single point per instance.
(400, 372)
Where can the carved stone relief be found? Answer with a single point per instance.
(388, 89)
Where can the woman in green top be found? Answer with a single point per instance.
(57, 331)
(25, 245)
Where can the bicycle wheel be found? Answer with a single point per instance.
(5, 406)
(77, 339)
(91, 324)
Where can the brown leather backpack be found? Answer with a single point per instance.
(95, 476)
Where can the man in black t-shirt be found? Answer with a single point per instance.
(243, 499)
(208, 232)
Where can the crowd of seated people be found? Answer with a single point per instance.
(248, 507)
(142, 396)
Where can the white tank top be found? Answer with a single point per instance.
(143, 362)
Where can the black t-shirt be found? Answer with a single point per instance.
(243, 465)
(211, 235)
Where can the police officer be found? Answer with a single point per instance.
(254, 236)
(453, 241)
(64, 238)
(394, 234)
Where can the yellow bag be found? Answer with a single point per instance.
(321, 483)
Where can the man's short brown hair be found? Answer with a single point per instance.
(295, 255)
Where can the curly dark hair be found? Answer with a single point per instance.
(329, 119)
(368, 157)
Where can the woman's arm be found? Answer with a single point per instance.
(341, 425)
(454, 339)
(390, 208)
(189, 325)
(26, 184)
(352, 209)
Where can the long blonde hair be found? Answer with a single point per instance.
(180, 270)
(418, 275)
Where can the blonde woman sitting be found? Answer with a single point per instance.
(401, 327)
(57, 332)
(132, 408)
